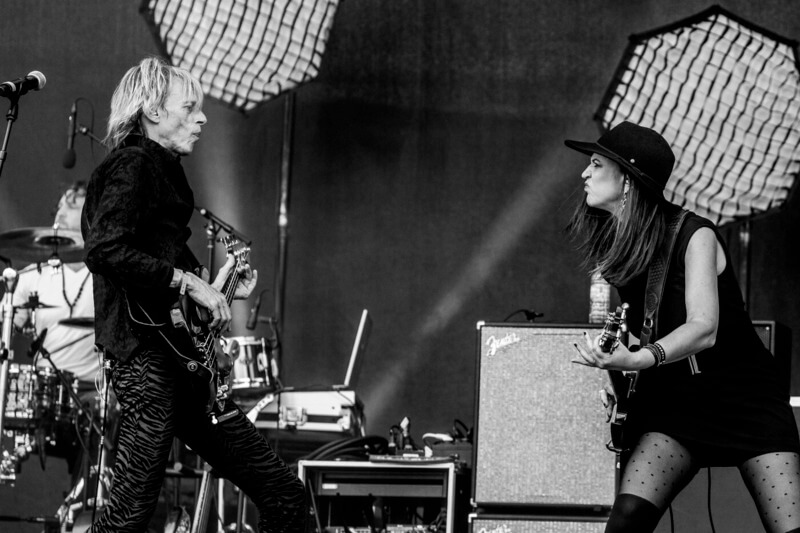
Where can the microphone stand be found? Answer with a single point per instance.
(67, 385)
(212, 229)
(66, 513)
(11, 116)
(86, 132)
(6, 352)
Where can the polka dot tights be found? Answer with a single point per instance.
(659, 467)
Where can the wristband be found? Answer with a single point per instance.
(658, 353)
(650, 349)
(183, 283)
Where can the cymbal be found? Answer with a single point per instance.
(38, 244)
(78, 322)
(33, 305)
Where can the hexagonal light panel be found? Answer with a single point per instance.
(244, 52)
(726, 95)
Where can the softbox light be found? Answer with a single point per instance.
(726, 95)
(243, 52)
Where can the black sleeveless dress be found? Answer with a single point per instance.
(737, 406)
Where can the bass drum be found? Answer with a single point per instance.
(253, 365)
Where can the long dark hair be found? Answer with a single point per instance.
(620, 246)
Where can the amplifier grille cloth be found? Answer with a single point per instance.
(541, 429)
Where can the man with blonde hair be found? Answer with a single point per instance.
(135, 224)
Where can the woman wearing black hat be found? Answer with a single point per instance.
(708, 393)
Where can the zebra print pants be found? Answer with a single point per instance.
(157, 404)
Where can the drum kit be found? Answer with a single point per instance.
(254, 369)
(38, 403)
(40, 406)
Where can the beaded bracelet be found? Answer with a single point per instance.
(658, 352)
(652, 350)
(663, 353)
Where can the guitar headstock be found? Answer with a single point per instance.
(615, 327)
(239, 250)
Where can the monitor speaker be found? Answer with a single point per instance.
(533, 524)
(540, 429)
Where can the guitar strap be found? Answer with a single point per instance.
(191, 365)
(656, 276)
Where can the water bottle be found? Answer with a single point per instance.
(599, 298)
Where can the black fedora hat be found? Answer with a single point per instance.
(641, 151)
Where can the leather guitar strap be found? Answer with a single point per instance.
(656, 276)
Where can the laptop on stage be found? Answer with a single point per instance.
(357, 353)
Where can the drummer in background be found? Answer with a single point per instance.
(68, 292)
(65, 292)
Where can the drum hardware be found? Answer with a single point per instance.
(63, 379)
(73, 515)
(33, 303)
(78, 322)
(35, 401)
(10, 282)
(24, 446)
(51, 245)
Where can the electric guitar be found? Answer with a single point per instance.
(623, 382)
(189, 339)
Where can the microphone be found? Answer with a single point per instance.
(253, 318)
(69, 156)
(36, 345)
(34, 81)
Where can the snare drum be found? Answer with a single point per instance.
(251, 365)
(37, 395)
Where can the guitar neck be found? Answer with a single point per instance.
(229, 290)
(229, 287)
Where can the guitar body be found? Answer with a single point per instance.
(623, 382)
(186, 336)
(624, 385)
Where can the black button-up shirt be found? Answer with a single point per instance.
(135, 224)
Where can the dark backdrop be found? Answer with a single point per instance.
(429, 179)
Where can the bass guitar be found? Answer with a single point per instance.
(623, 382)
(189, 339)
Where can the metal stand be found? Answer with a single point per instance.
(212, 230)
(11, 116)
(68, 512)
(9, 462)
(283, 217)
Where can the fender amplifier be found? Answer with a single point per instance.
(541, 430)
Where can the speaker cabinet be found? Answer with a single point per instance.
(481, 523)
(540, 427)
